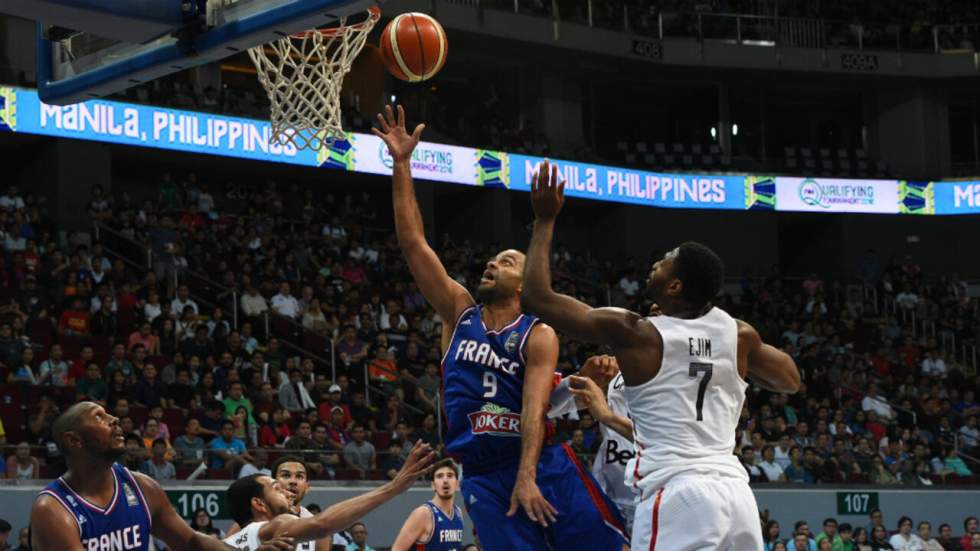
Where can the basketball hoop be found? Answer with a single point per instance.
(303, 75)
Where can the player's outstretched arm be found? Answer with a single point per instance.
(542, 356)
(613, 326)
(416, 526)
(53, 527)
(445, 294)
(177, 534)
(768, 366)
(341, 515)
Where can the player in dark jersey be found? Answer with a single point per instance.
(498, 373)
(438, 524)
(99, 505)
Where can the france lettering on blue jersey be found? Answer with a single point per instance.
(447, 532)
(123, 525)
(483, 383)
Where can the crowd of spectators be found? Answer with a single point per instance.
(875, 536)
(313, 338)
(833, 536)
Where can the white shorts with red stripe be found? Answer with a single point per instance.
(698, 513)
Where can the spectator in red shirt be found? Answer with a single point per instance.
(333, 400)
(873, 426)
(276, 430)
(970, 526)
(76, 320)
(145, 337)
(79, 367)
(127, 300)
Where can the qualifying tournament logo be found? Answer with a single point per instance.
(810, 193)
(495, 420)
(425, 158)
(830, 195)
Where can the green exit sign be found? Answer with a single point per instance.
(188, 501)
(856, 503)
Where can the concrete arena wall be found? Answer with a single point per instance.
(786, 505)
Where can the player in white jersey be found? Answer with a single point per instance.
(291, 474)
(610, 410)
(684, 374)
(612, 413)
(262, 507)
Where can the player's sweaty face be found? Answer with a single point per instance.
(660, 275)
(275, 497)
(503, 273)
(101, 434)
(292, 478)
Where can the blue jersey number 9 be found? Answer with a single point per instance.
(489, 383)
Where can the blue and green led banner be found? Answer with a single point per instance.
(211, 134)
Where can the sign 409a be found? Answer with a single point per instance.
(186, 502)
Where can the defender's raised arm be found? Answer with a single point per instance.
(613, 326)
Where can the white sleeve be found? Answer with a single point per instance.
(562, 400)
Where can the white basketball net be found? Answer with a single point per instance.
(303, 75)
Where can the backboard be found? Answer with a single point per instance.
(93, 48)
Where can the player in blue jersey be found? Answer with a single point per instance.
(438, 524)
(497, 374)
(99, 505)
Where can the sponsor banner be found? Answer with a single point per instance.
(623, 185)
(211, 134)
(146, 126)
(957, 197)
(430, 161)
(834, 195)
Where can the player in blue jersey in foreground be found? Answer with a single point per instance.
(497, 374)
(99, 505)
(438, 524)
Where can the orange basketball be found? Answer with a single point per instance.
(414, 47)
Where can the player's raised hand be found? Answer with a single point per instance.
(282, 543)
(600, 368)
(418, 462)
(591, 395)
(547, 193)
(527, 495)
(392, 130)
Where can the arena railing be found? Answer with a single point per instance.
(204, 290)
(956, 38)
(748, 29)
